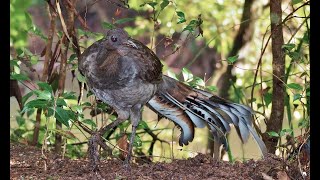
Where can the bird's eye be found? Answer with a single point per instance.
(114, 39)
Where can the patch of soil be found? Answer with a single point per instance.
(27, 162)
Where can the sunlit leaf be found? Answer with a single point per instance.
(232, 59)
(273, 134)
(294, 86)
(143, 125)
(212, 88)
(46, 95)
(37, 103)
(77, 108)
(295, 1)
(69, 95)
(45, 86)
(14, 63)
(19, 77)
(296, 97)
(187, 75)
(172, 75)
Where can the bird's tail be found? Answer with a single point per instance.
(189, 107)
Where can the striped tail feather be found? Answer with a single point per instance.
(189, 107)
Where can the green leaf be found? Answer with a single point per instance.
(232, 59)
(295, 86)
(86, 104)
(181, 17)
(20, 120)
(90, 122)
(38, 32)
(196, 82)
(30, 112)
(296, 97)
(285, 131)
(26, 97)
(19, 77)
(137, 141)
(164, 4)
(273, 134)
(45, 86)
(172, 75)
(308, 92)
(77, 108)
(303, 123)
(89, 93)
(187, 75)
(289, 46)
(212, 88)
(14, 62)
(80, 77)
(72, 57)
(192, 25)
(152, 4)
(294, 55)
(124, 20)
(61, 102)
(267, 98)
(28, 19)
(62, 116)
(69, 95)
(46, 95)
(143, 125)
(34, 60)
(106, 25)
(37, 103)
(295, 1)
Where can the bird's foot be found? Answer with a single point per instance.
(93, 152)
(127, 165)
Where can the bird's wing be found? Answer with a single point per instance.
(148, 64)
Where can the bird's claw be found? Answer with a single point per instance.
(127, 165)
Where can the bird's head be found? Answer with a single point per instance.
(116, 37)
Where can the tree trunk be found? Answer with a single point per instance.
(63, 64)
(278, 65)
(45, 74)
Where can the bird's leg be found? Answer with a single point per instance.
(135, 117)
(93, 152)
(96, 140)
(128, 159)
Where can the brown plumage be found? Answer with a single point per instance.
(127, 75)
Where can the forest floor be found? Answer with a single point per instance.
(27, 162)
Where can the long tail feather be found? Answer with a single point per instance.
(188, 107)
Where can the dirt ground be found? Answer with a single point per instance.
(26, 162)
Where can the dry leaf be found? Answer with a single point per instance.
(123, 144)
